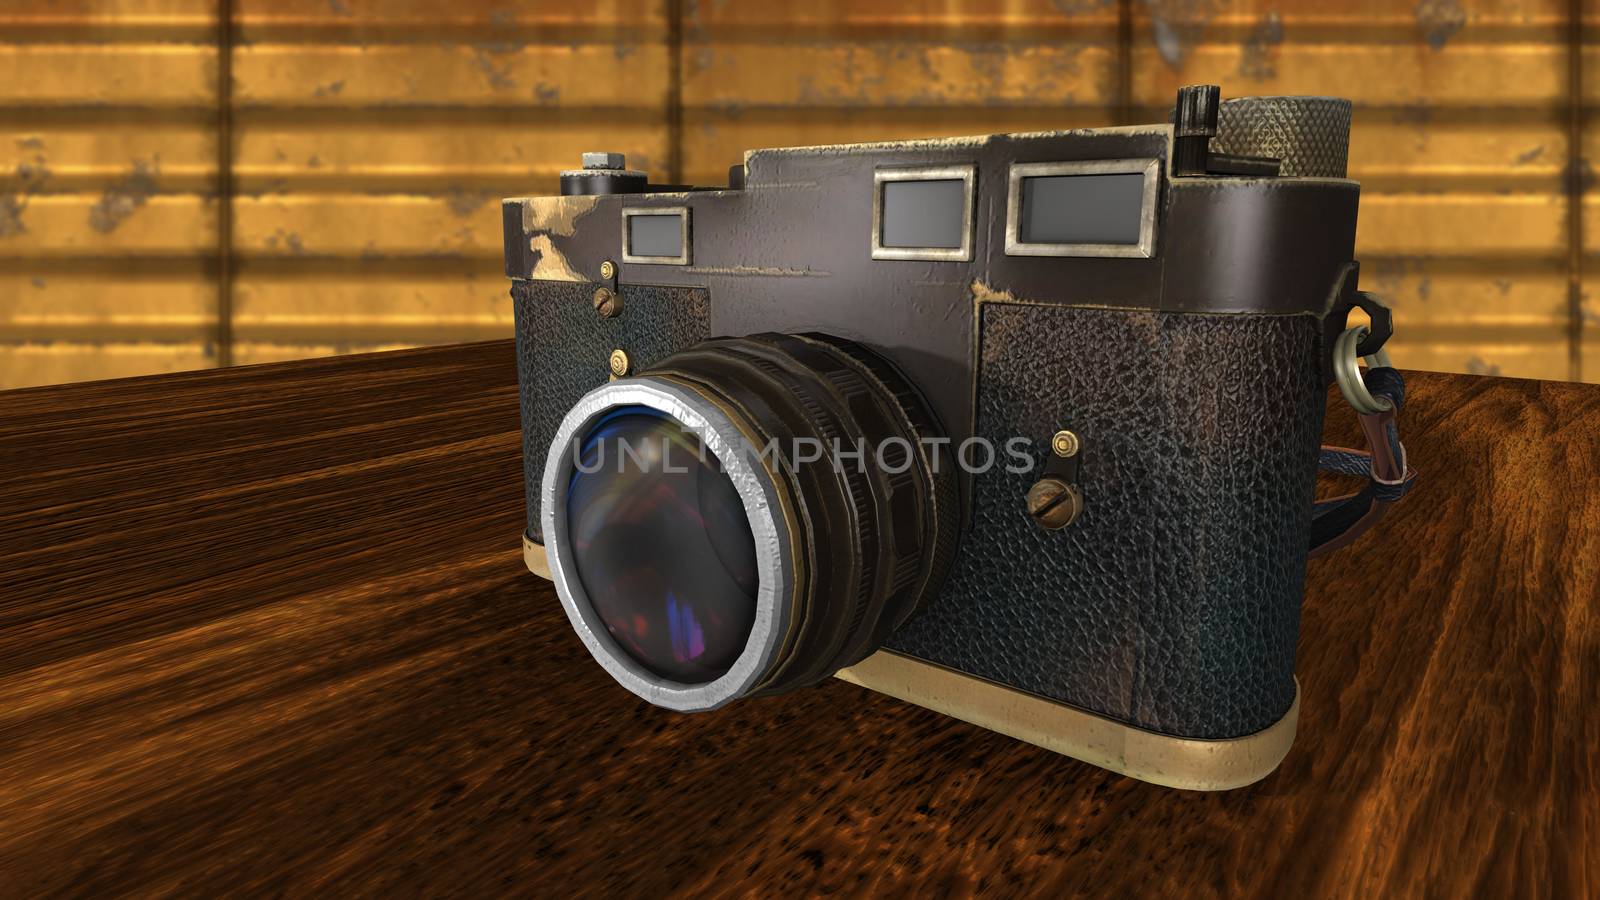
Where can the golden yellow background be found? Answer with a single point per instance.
(363, 145)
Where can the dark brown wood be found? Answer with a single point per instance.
(267, 630)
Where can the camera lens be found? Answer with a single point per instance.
(746, 517)
(661, 545)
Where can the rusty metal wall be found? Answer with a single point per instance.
(360, 146)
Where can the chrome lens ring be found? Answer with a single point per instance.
(759, 496)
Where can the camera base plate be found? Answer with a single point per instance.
(1186, 763)
(1190, 764)
(533, 557)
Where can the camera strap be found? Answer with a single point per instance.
(1337, 521)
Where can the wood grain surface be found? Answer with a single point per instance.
(267, 631)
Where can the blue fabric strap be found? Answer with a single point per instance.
(1338, 521)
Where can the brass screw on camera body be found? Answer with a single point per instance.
(607, 303)
(608, 270)
(619, 364)
(1065, 444)
(1054, 503)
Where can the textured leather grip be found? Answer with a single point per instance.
(564, 348)
(1173, 602)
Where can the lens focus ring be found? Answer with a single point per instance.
(855, 546)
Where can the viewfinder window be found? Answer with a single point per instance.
(656, 236)
(1092, 208)
(923, 213)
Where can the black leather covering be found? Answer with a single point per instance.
(1173, 602)
(564, 349)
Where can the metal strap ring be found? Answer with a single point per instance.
(1348, 373)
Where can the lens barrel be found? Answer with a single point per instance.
(851, 511)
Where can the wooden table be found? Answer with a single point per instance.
(267, 630)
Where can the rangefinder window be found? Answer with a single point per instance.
(656, 236)
(923, 213)
(1091, 208)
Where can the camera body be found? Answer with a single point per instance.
(1151, 308)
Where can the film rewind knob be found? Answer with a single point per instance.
(1194, 124)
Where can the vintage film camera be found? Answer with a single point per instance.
(1157, 311)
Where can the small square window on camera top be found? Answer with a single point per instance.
(656, 236)
(923, 213)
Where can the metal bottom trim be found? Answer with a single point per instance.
(1190, 764)
(533, 557)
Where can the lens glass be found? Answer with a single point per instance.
(662, 545)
